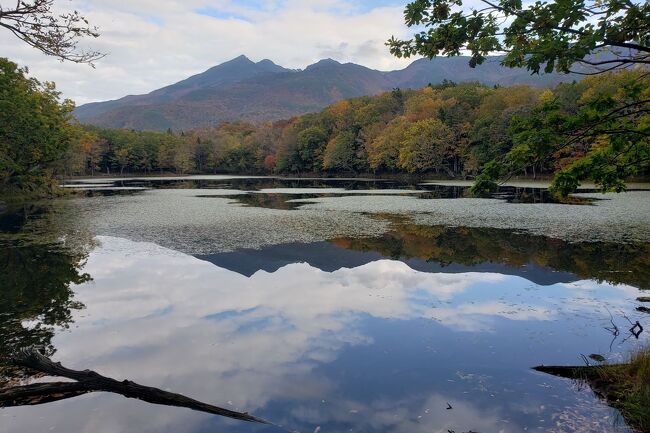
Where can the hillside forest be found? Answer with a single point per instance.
(452, 129)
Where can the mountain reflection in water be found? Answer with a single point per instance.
(378, 346)
(322, 305)
(539, 259)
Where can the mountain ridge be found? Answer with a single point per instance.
(241, 89)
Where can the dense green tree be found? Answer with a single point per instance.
(310, 145)
(165, 156)
(35, 130)
(287, 160)
(605, 135)
(182, 159)
(587, 37)
(489, 135)
(423, 147)
(201, 153)
(340, 153)
(82, 156)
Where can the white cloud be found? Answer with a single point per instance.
(154, 43)
(175, 304)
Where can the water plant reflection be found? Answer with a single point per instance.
(471, 246)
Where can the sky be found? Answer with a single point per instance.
(152, 43)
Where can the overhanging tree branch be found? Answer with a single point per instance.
(538, 35)
(35, 23)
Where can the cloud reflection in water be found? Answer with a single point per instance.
(380, 347)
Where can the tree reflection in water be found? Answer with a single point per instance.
(617, 263)
(42, 253)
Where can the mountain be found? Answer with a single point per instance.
(424, 71)
(238, 69)
(241, 89)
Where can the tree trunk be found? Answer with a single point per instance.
(90, 381)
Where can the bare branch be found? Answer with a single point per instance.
(57, 35)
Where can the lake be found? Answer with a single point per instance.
(324, 305)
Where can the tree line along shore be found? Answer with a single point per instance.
(451, 129)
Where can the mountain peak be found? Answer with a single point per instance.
(267, 65)
(322, 63)
(240, 59)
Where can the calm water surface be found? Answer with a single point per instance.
(324, 305)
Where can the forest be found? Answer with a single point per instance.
(448, 129)
(452, 129)
(595, 128)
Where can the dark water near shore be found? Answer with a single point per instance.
(324, 305)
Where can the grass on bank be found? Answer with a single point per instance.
(626, 387)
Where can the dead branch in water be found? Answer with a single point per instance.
(567, 372)
(41, 393)
(91, 381)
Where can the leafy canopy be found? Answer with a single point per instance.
(603, 134)
(35, 131)
(538, 36)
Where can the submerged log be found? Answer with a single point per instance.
(567, 372)
(41, 393)
(590, 374)
(91, 381)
